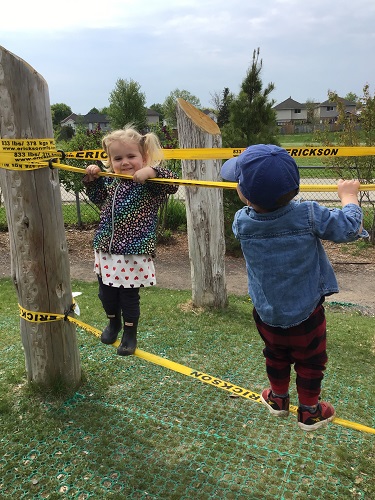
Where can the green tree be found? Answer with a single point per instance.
(83, 140)
(223, 114)
(252, 119)
(215, 101)
(159, 109)
(64, 133)
(168, 140)
(127, 105)
(351, 134)
(169, 105)
(352, 97)
(311, 111)
(59, 112)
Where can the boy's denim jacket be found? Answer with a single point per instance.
(288, 269)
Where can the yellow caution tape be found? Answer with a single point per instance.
(27, 145)
(30, 154)
(225, 153)
(325, 188)
(327, 151)
(27, 154)
(317, 188)
(39, 317)
(217, 184)
(27, 148)
(177, 154)
(236, 390)
(27, 165)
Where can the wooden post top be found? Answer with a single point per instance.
(201, 120)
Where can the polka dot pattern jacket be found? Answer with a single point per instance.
(129, 212)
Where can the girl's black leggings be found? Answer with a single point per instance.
(125, 299)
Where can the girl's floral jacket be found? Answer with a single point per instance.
(129, 212)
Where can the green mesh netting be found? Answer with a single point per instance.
(157, 434)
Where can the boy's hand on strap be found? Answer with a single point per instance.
(348, 191)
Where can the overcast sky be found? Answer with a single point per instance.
(82, 47)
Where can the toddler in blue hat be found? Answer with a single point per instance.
(289, 274)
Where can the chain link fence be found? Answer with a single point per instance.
(79, 212)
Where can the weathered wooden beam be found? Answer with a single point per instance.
(39, 253)
(204, 209)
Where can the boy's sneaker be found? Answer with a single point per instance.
(308, 421)
(277, 406)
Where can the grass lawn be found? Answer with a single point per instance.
(138, 430)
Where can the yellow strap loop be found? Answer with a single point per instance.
(318, 188)
(214, 184)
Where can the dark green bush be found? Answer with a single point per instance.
(231, 203)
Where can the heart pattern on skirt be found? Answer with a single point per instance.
(128, 271)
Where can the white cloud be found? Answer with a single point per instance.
(81, 50)
(69, 15)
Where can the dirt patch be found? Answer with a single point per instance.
(354, 267)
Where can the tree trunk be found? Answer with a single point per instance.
(39, 253)
(204, 209)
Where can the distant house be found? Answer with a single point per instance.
(290, 111)
(294, 113)
(210, 114)
(152, 116)
(92, 121)
(328, 110)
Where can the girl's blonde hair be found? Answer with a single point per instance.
(149, 145)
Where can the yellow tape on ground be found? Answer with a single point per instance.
(232, 388)
(177, 367)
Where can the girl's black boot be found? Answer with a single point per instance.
(129, 339)
(111, 331)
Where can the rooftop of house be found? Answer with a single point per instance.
(341, 99)
(98, 117)
(289, 104)
(292, 104)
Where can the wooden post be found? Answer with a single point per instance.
(204, 209)
(39, 253)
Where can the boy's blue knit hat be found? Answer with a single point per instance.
(264, 172)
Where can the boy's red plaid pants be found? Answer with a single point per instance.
(304, 346)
